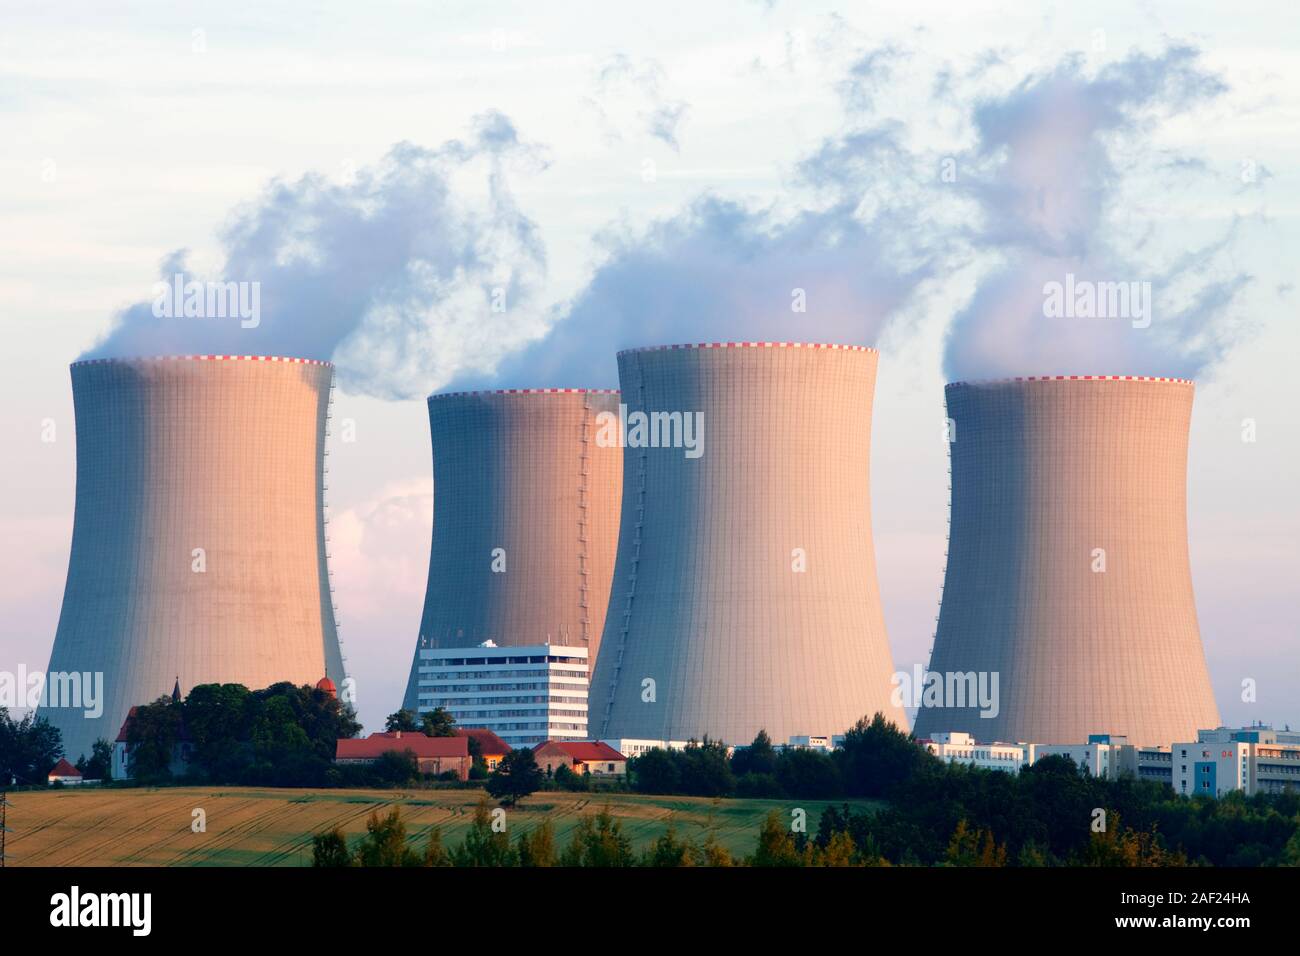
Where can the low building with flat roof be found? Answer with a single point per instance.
(959, 747)
(1250, 759)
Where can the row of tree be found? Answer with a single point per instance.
(598, 840)
(29, 749)
(283, 735)
(872, 760)
(1053, 813)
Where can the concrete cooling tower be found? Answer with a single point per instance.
(745, 593)
(525, 520)
(1068, 572)
(198, 543)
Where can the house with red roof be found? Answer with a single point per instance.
(64, 773)
(433, 755)
(489, 746)
(581, 756)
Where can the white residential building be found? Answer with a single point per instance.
(525, 695)
(957, 747)
(1250, 759)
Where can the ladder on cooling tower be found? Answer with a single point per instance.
(584, 469)
(4, 805)
(634, 560)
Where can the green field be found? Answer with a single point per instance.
(265, 827)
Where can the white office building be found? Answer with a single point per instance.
(1112, 756)
(957, 747)
(635, 747)
(1250, 759)
(523, 694)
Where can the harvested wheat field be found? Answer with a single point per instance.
(265, 827)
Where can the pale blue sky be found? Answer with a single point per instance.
(133, 134)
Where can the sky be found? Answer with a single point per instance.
(497, 195)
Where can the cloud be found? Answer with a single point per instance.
(418, 267)
(839, 257)
(626, 88)
(840, 268)
(1054, 175)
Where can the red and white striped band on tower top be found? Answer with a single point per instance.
(751, 345)
(1073, 378)
(528, 391)
(205, 358)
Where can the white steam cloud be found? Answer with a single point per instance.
(417, 268)
(1056, 177)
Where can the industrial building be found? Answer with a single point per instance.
(1068, 576)
(198, 542)
(957, 747)
(525, 522)
(523, 694)
(745, 593)
(1249, 759)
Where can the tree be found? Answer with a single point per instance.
(706, 769)
(840, 851)
(711, 852)
(1118, 845)
(484, 846)
(218, 719)
(99, 766)
(385, 842)
(29, 748)
(599, 841)
(394, 768)
(537, 846)
(969, 847)
(876, 757)
(404, 720)
(775, 845)
(566, 779)
(804, 773)
(758, 758)
(655, 771)
(516, 776)
(669, 851)
(434, 854)
(438, 723)
(152, 735)
(330, 849)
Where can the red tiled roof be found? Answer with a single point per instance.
(489, 743)
(585, 750)
(126, 725)
(369, 748)
(64, 769)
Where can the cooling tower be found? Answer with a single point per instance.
(1068, 571)
(198, 544)
(745, 593)
(525, 520)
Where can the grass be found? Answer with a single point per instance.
(265, 827)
